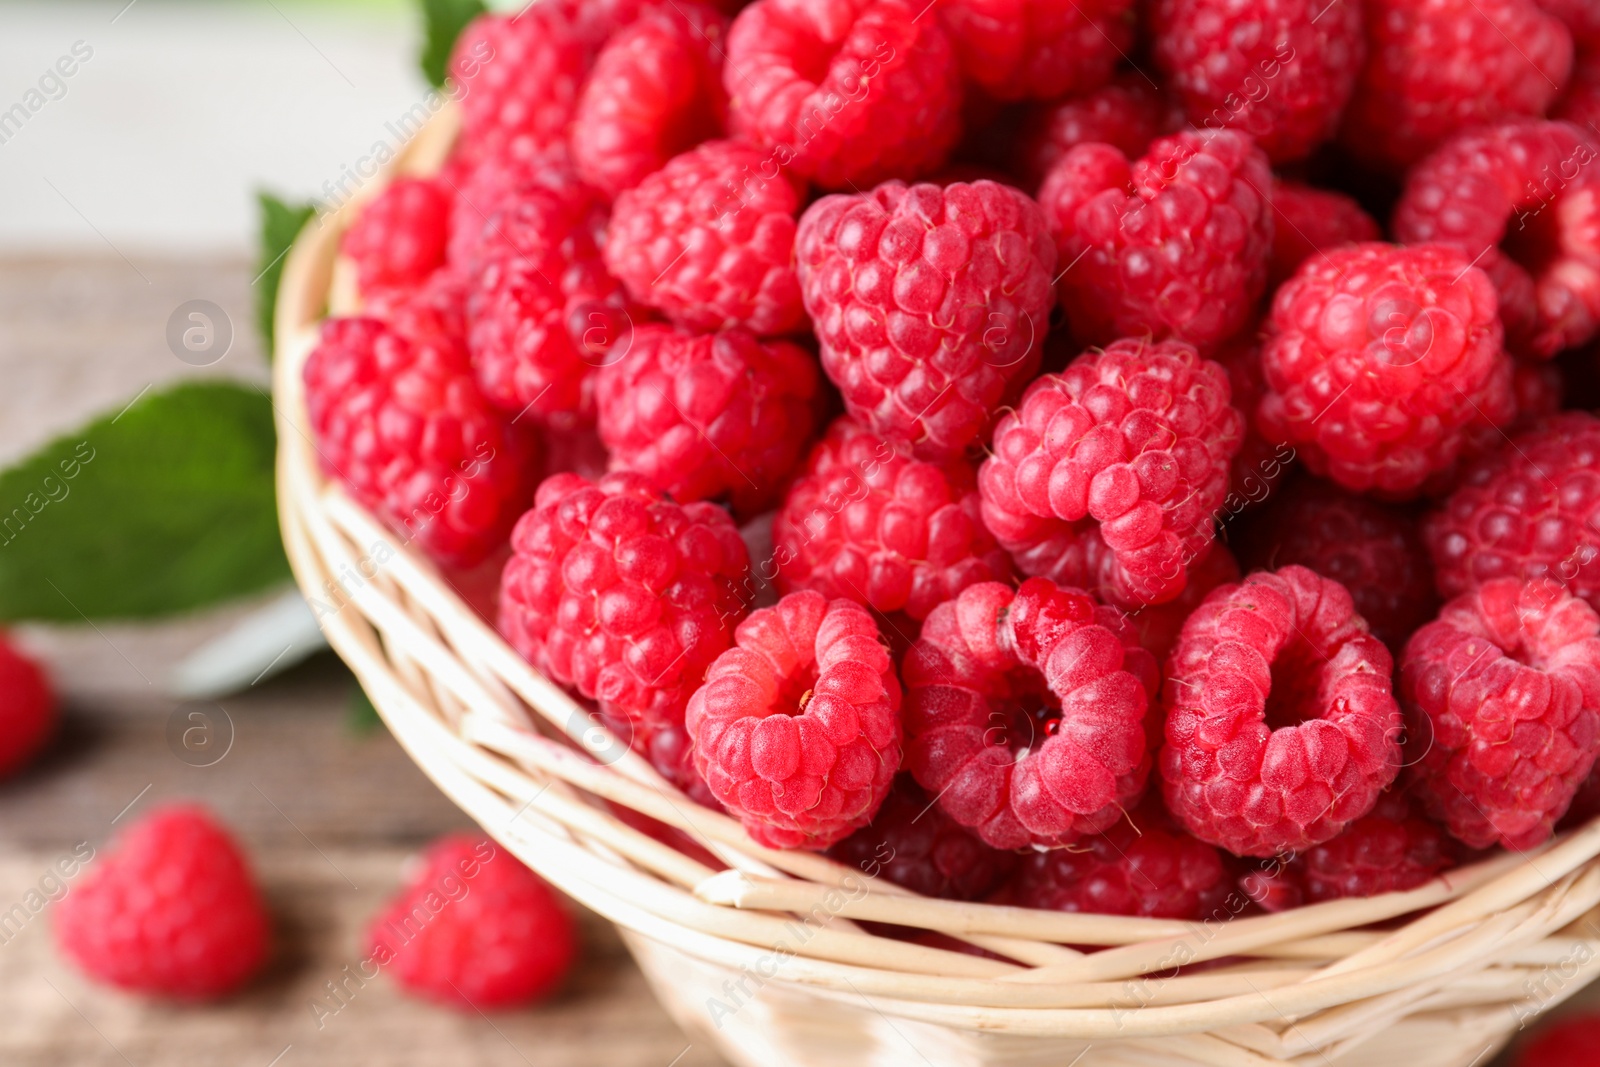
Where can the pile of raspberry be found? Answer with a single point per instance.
(944, 443)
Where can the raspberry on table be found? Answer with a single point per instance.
(844, 92)
(171, 910)
(1128, 112)
(865, 521)
(1038, 49)
(709, 240)
(913, 843)
(797, 727)
(1379, 360)
(1311, 221)
(1025, 712)
(1280, 70)
(403, 428)
(930, 304)
(1282, 728)
(27, 708)
(497, 936)
(518, 78)
(1173, 244)
(708, 416)
(399, 238)
(1131, 444)
(1502, 698)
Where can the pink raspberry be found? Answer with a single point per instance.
(1435, 67)
(865, 521)
(433, 312)
(1310, 221)
(622, 594)
(709, 240)
(399, 238)
(1025, 711)
(929, 303)
(846, 92)
(1130, 444)
(403, 428)
(1174, 244)
(704, 416)
(518, 78)
(1379, 360)
(1280, 70)
(913, 843)
(1502, 698)
(1128, 113)
(1158, 625)
(1281, 725)
(1038, 49)
(797, 727)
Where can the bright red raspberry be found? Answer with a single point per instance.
(866, 522)
(1280, 70)
(670, 751)
(472, 927)
(707, 416)
(846, 92)
(171, 910)
(1435, 67)
(913, 843)
(27, 708)
(1310, 221)
(930, 304)
(399, 238)
(486, 187)
(1389, 850)
(1025, 711)
(709, 240)
(1128, 113)
(1132, 444)
(1567, 1042)
(1379, 360)
(1502, 698)
(1580, 105)
(1173, 244)
(1038, 49)
(1581, 16)
(518, 78)
(1158, 625)
(797, 727)
(622, 594)
(403, 428)
(1281, 725)
(434, 312)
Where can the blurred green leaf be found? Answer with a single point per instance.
(281, 223)
(163, 507)
(443, 21)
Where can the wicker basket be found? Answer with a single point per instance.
(763, 955)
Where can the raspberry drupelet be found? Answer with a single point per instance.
(797, 727)
(1310, 221)
(399, 238)
(1128, 113)
(1038, 49)
(1281, 725)
(1502, 697)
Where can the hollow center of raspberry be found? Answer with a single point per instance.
(1533, 237)
(1021, 725)
(1296, 679)
(796, 691)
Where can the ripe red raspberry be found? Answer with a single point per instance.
(484, 188)
(1173, 244)
(27, 708)
(474, 928)
(1438, 66)
(1132, 444)
(709, 240)
(399, 238)
(1502, 698)
(1567, 1042)
(622, 594)
(1281, 725)
(1038, 49)
(1580, 105)
(930, 303)
(1311, 220)
(1582, 18)
(518, 78)
(1025, 711)
(434, 312)
(704, 416)
(1158, 625)
(846, 92)
(913, 843)
(670, 751)
(1389, 850)
(171, 910)
(797, 727)
(403, 427)
(1128, 113)
(1379, 360)
(1280, 70)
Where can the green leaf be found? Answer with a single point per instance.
(443, 21)
(163, 507)
(281, 223)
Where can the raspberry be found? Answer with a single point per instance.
(1311, 220)
(929, 303)
(471, 926)
(171, 910)
(866, 522)
(1438, 66)
(1581, 103)
(1158, 625)
(485, 188)
(402, 426)
(1389, 850)
(434, 312)
(1174, 244)
(1379, 360)
(1131, 444)
(1530, 510)
(1281, 726)
(1528, 188)
(1038, 49)
(913, 843)
(1568, 1042)
(702, 416)
(399, 238)
(1259, 464)
(27, 708)
(621, 594)
(709, 240)
(1128, 113)
(518, 78)
(797, 727)
(1502, 697)
(670, 751)
(1582, 18)
(1280, 70)
(846, 92)
(1025, 710)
